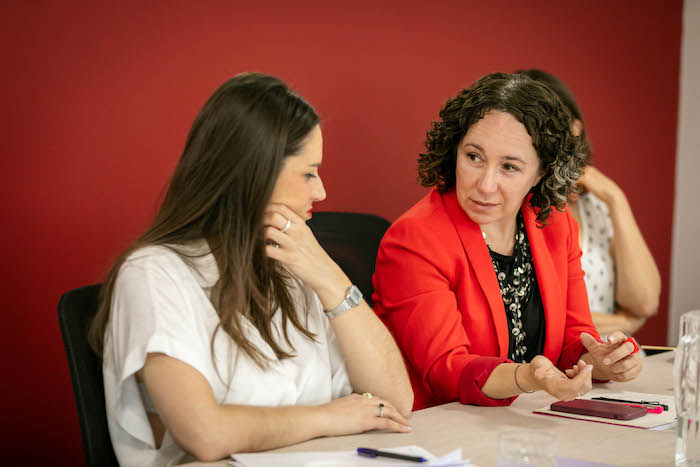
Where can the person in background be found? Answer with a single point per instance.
(622, 278)
(226, 327)
(480, 282)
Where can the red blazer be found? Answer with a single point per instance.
(437, 292)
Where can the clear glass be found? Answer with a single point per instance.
(686, 385)
(527, 448)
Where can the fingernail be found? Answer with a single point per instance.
(409, 428)
(590, 368)
(611, 339)
(606, 361)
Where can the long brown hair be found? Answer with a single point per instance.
(221, 186)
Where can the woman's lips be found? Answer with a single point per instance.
(482, 206)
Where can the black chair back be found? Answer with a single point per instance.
(75, 311)
(352, 240)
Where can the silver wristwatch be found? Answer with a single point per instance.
(353, 297)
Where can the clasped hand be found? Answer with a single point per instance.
(613, 359)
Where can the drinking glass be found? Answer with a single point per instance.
(686, 385)
(527, 448)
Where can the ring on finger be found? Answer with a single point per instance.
(381, 409)
(287, 225)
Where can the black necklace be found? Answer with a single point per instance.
(516, 287)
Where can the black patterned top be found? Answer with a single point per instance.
(521, 298)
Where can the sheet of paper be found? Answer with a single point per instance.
(346, 459)
(661, 421)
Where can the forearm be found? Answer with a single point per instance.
(511, 379)
(242, 428)
(372, 358)
(637, 279)
(188, 409)
(607, 323)
(502, 384)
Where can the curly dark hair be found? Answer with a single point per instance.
(562, 156)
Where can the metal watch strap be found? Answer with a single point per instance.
(353, 297)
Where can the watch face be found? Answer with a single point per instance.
(355, 296)
(352, 299)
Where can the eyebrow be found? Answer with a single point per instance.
(514, 158)
(508, 158)
(317, 165)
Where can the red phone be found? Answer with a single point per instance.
(599, 409)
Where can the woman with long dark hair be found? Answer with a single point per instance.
(212, 326)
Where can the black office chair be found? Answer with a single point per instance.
(352, 240)
(75, 310)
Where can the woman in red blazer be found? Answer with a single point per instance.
(482, 277)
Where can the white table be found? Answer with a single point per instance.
(475, 429)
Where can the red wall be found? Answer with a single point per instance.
(97, 101)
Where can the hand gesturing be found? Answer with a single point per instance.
(563, 387)
(613, 359)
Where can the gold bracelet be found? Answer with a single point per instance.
(515, 378)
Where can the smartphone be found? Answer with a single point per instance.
(599, 409)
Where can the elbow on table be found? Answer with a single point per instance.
(203, 440)
(207, 452)
(645, 305)
(649, 311)
(648, 307)
(213, 448)
(648, 304)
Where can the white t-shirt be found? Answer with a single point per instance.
(597, 261)
(160, 304)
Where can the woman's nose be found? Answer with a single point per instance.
(487, 182)
(319, 193)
